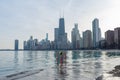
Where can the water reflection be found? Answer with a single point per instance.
(60, 60)
(71, 65)
(16, 61)
(91, 54)
(75, 55)
(111, 54)
(76, 64)
(30, 59)
(84, 66)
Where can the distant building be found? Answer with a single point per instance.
(117, 37)
(109, 37)
(35, 44)
(61, 41)
(102, 44)
(25, 47)
(99, 34)
(81, 42)
(96, 33)
(56, 34)
(30, 44)
(61, 27)
(16, 44)
(46, 36)
(87, 39)
(75, 37)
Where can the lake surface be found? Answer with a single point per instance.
(78, 65)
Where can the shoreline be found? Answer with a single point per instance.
(63, 50)
(115, 73)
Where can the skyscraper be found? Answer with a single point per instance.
(109, 37)
(99, 34)
(61, 26)
(60, 35)
(87, 39)
(16, 44)
(25, 45)
(96, 33)
(56, 37)
(117, 37)
(56, 34)
(75, 37)
(46, 36)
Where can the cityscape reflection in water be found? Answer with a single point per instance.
(68, 65)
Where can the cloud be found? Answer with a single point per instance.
(22, 18)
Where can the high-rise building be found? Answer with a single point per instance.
(75, 37)
(56, 34)
(109, 37)
(31, 43)
(61, 26)
(99, 34)
(87, 39)
(96, 33)
(16, 44)
(117, 37)
(25, 45)
(60, 35)
(46, 36)
(35, 44)
(84, 37)
(81, 42)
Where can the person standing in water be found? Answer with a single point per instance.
(61, 58)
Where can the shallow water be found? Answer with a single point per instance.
(78, 65)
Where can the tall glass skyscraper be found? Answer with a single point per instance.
(87, 39)
(60, 35)
(75, 37)
(96, 33)
(16, 44)
(61, 26)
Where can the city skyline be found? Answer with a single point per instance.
(89, 40)
(21, 19)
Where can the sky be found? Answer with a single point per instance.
(20, 19)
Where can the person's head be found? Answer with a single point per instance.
(61, 53)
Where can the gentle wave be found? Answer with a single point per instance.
(21, 74)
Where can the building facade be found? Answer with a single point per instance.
(87, 39)
(109, 37)
(61, 41)
(75, 37)
(117, 37)
(16, 45)
(96, 33)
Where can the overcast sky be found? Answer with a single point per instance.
(19, 19)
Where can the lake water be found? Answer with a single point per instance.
(79, 65)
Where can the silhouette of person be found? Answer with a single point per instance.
(61, 58)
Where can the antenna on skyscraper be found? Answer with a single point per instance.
(63, 13)
(60, 14)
